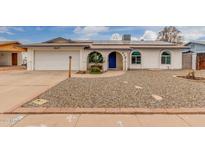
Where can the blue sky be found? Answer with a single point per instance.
(31, 34)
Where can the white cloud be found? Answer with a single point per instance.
(5, 30)
(4, 39)
(20, 29)
(90, 31)
(116, 36)
(25, 41)
(192, 33)
(9, 30)
(134, 38)
(149, 35)
(188, 32)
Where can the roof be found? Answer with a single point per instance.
(195, 42)
(8, 42)
(63, 40)
(105, 44)
(11, 46)
(59, 41)
(118, 42)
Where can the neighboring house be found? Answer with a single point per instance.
(117, 54)
(196, 46)
(11, 53)
(197, 50)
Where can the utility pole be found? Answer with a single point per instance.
(69, 69)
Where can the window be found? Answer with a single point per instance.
(136, 57)
(166, 58)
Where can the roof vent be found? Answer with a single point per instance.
(126, 37)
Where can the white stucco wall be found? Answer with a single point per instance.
(151, 59)
(19, 58)
(30, 59)
(194, 55)
(5, 58)
(176, 60)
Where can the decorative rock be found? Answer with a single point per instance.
(40, 101)
(113, 93)
(158, 98)
(138, 87)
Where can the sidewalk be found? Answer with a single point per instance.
(102, 120)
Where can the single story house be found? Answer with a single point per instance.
(11, 53)
(196, 54)
(122, 54)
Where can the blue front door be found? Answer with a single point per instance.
(112, 60)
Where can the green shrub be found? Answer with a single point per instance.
(95, 57)
(95, 70)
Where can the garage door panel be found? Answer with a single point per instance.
(56, 60)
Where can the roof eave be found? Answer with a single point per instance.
(108, 48)
(56, 45)
(194, 43)
(158, 47)
(133, 44)
(12, 42)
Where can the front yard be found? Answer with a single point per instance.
(141, 88)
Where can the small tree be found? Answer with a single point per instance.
(170, 34)
(95, 57)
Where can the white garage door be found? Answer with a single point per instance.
(56, 60)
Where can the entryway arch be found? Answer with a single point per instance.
(115, 61)
(94, 58)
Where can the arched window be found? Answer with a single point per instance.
(95, 57)
(166, 57)
(136, 57)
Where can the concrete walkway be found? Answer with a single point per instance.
(101, 120)
(17, 87)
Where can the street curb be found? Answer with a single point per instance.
(42, 110)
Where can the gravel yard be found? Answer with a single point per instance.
(141, 88)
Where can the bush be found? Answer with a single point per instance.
(95, 70)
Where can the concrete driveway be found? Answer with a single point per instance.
(17, 87)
